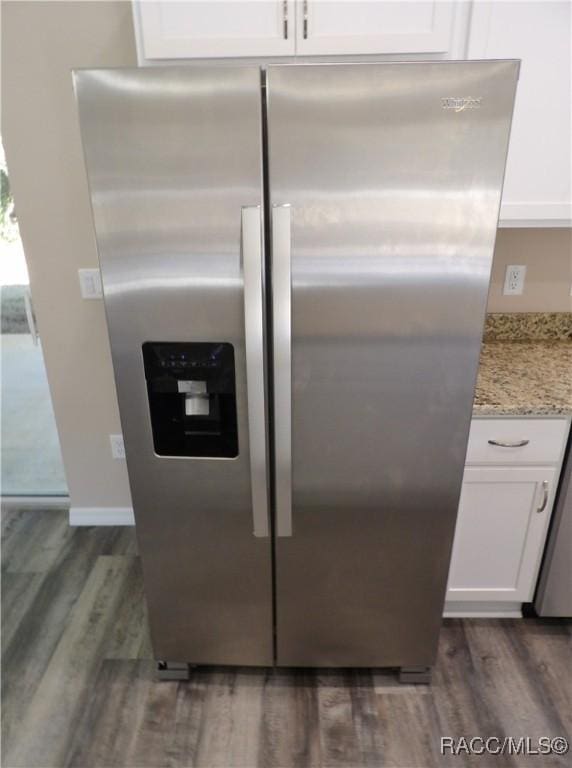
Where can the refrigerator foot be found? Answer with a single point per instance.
(173, 670)
(415, 675)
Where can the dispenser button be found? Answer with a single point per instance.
(192, 387)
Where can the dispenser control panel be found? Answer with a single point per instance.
(192, 398)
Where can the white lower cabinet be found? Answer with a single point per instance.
(501, 528)
(504, 514)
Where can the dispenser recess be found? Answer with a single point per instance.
(192, 399)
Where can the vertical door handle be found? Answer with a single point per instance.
(285, 18)
(282, 351)
(254, 347)
(305, 20)
(544, 501)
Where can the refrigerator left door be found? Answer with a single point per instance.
(174, 163)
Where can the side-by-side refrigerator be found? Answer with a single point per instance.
(295, 264)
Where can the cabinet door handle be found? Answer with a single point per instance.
(544, 501)
(514, 444)
(305, 20)
(285, 18)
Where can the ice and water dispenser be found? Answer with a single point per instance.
(192, 398)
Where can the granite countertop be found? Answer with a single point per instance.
(526, 366)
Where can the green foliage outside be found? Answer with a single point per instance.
(8, 223)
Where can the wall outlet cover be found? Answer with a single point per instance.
(117, 446)
(514, 280)
(90, 283)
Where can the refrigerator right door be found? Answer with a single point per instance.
(385, 183)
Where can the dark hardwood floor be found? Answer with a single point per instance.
(78, 685)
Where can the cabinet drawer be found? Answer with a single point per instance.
(535, 441)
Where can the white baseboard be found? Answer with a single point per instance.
(482, 610)
(101, 516)
(497, 614)
(35, 501)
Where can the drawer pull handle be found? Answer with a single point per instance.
(544, 501)
(515, 444)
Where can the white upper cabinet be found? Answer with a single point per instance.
(191, 29)
(334, 27)
(537, 189)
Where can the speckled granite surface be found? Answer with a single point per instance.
(526, 366)
(529, 326)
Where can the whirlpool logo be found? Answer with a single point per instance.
(460, 103)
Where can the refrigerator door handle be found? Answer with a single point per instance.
(254, 348)
(282, 333)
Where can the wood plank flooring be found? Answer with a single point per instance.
(79, 688)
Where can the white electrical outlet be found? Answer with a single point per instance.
(514, 280)
(117, 446)
(90, 283)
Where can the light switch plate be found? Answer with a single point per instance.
(117, 446)
(90, 283)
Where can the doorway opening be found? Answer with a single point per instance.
(31, 458)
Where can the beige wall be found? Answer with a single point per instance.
(41, 43)
(547, 255)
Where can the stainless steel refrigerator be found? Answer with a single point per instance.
(295, 264)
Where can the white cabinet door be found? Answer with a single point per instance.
(190, 29)
(499, 538)
(335, 27)
(537, 188)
